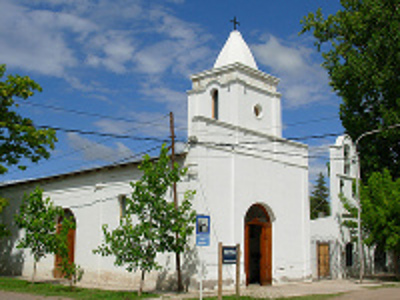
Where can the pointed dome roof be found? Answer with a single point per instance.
(235, 50)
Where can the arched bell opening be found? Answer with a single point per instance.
(214, 104)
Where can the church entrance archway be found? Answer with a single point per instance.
(258, 246)
(70, 242)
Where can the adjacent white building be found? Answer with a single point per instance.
(251, 181)
(333, 252)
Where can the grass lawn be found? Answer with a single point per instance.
(54, 289)
(51, 289)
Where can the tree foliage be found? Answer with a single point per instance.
(380, 214)
(362, 57)
(3, 228)
(69, 270)
(37, 216)
(381, 210)
(319, 198)
(19, 138)
(151, 221)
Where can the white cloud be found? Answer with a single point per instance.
(29, 43)
(175, 101)
(112, 50)
(179, 46)
(302, 80)
(95, 151)
(156, 59)
(115, 127)
(281, 58)
(60, 38)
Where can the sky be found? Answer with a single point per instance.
(120, 66)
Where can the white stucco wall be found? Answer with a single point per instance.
(94, 200)
(233, 178)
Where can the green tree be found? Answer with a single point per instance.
(361, 51)
(19, 138)
(319, 198)
(37, 216)
(69, 270)
(3, 228)
(151, 221)
(380, 214)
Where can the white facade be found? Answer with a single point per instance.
(250, 181)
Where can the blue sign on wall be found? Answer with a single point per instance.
(202, 230)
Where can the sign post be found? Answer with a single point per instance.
(202, 240)
(238, 270)
(228, 255)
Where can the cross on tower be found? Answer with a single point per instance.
(235, 22)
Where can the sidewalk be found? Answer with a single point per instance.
(294, 289)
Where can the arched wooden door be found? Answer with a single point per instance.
(70, 240)
(258, 246)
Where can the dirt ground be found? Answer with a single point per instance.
(368, 294)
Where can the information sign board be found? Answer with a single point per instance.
(202, 230)
(229, 254)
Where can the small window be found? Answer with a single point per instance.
(215, 104)
(122, 206)
(341, 186)
(257, 109)
(349, 254)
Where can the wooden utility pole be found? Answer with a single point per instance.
(177, 254)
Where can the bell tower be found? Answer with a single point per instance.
(236, 92)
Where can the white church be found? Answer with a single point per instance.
(250, 181)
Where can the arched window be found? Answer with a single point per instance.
(349, 254)
(215, 104)
(346, 154)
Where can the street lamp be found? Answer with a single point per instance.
(360, 248)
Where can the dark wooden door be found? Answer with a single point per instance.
(258, 252)
(266, 259)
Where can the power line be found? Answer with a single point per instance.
(321, 136)
(96, 115)
(119, 136)
(120, 161)
(273, 152)
(293, 124)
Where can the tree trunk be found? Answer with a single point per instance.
(396, 263)
(141, 284)
(34, 270)
(178, 270)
